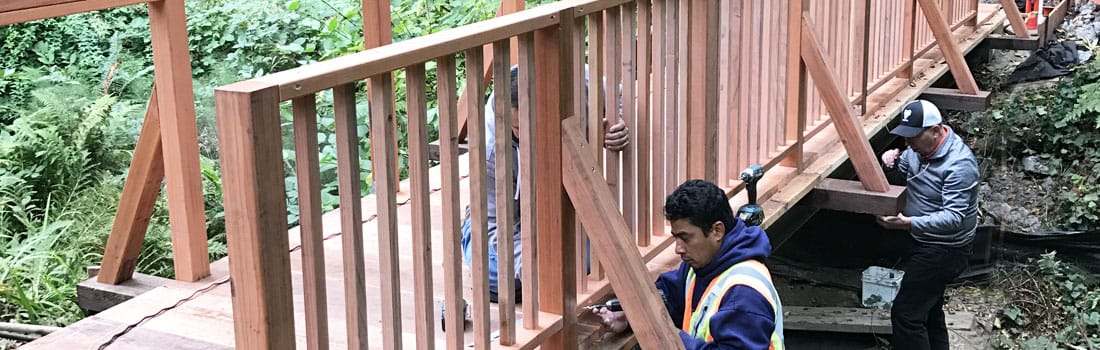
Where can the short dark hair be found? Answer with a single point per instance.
(702, 203)
(515, 86)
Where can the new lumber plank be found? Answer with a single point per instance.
(840, 111)
(952, 100)
(528, 167)
(19, 11)
(946, 41)
(179, 137)
(597, 208)
(702, 89)
(139, 196)
(384, 171)
(447, 92)
(556, 259)
(415, 85)
(505, 192)
(351, 215)
(643, 129)
(307, 161)
(850, 196)
(479, 246)
(255, 201)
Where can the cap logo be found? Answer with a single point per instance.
(905, 118)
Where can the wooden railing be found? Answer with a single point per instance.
(706, 87)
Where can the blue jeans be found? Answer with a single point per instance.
(467, 256)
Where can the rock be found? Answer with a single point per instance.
(1038, 165)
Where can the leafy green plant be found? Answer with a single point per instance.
(1053, 304)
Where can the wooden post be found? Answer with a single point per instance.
(139, 196)
(840, 111)
(255, 217)
(955, 60)
(378, 31)
(179, 137)
(796, 71)
(628, 274)
(702, 85)
(1014, 19)
(557, 263)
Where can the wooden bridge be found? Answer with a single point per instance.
(707, 88)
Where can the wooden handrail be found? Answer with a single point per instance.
(19, 11)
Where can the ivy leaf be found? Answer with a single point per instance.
(293, 5)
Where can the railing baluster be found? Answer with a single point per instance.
(306, 159)
(657, 117)
(385, 183)
(505, 192)
(478, 200)
(725, 91)
(645, 229)
(351, 215)
(251, 149)
(765, 69)
(580, 109)
(528, 203)
(627, 54)
(614, 103)
(420, 198)
(597, 101)
(447, 93)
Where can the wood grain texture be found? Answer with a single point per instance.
(505, 191)
(19, 11)
(179, 137)
(255, 219)
(447, 92)
(416, 97)
(528, 151)
(643, 127)
(307, 164)
(384, 163)
(1015, 19)
(479, 246)
(702, 85)
(950, 49)
(840, 111)
(351, 215)
(135, 207)
(597, 208)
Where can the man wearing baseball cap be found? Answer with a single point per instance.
(941, 214)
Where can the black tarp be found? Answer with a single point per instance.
(1047, 62)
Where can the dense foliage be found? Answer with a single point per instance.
(1052, 304)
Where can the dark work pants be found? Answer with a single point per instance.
(917, 314)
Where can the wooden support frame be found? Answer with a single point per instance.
(251, 143)
(850, 196)
(596, 207)
(1015, 19)
(135, 208)
(946, 41)
(840, 111)
(556, 260)
(179, 137)
(952, 100)
(1005, 42)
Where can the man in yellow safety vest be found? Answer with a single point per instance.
(721, 296)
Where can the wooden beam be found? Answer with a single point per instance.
(850, 196)
(250, 141)
(950, 49)
(702, 85)
(1015, 19)
(952, 100)
(840, 111)
(556, 239)
(139, 196)
(94, 296)
(176, 105)
(856, 320)
(1004, 42)
(596, 208)
(19, 11)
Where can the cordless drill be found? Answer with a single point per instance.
(752, 214)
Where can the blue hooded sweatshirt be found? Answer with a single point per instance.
(745, 319)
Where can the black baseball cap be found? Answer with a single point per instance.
(917, 116)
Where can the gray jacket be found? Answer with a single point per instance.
(942, 193)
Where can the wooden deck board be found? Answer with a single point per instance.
(206, 321)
